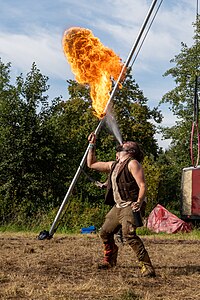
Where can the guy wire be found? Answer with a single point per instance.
(149, 27)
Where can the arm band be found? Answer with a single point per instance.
(91, 146)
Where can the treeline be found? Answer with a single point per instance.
(42, 142)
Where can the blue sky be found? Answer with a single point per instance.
(31, 31)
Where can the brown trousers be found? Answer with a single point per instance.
(123, 217)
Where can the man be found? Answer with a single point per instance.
(126, 190)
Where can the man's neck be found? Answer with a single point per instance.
(123, 157)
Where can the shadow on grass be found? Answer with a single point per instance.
(182, 271)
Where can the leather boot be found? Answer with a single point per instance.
(146, 268)
(110, 256)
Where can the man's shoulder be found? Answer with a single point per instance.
(133, 163)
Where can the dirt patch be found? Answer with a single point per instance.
(65, 268)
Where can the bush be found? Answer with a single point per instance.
(153, 174)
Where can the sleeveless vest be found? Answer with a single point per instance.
(127, 186)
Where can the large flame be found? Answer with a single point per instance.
(92, 63)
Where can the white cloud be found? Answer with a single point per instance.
(117, 22)
(43, 48)
(172, 25)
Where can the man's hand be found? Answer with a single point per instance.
(92, 138)
(136, 205)
(100, 185)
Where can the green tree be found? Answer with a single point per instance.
(135, 117)
(181, 101)
(181, 98)
(42, 144)
(29, 152)
(153, 175)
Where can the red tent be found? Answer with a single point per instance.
(161, 220)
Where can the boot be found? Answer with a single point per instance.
(146, 268)
(119, 237)
(110, 256)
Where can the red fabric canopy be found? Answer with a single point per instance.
(161, 220)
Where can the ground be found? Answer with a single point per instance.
(65, 267)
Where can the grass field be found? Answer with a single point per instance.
(65, 267)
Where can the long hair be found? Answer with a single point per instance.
(134, 150)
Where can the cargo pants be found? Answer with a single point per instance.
(116, 218)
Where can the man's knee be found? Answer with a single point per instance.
(129, 231)
(103, 233)
(106, 235)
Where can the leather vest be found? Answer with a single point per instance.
(127, 186)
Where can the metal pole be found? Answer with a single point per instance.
(78, 172)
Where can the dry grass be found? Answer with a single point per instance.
(65, 268)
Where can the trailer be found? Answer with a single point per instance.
(190, 194)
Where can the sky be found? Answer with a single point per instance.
(32, 31)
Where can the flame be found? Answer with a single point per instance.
(92, 63)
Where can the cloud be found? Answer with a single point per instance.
(115, 22)
(41, 47)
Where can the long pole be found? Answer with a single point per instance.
(82, 163)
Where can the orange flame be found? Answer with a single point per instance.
(92, 63)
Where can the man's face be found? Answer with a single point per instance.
(127, 145)
(123, 147)
(119, 148)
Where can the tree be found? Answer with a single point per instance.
(181, 101)
(181, 98)
(28, 157)
(135, 117)
(42, 144)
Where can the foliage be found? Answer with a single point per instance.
(135, 118)
(42, 144)
(153, 175)
(81, 213)
(181, 98)
(28, 157)
(169, 194)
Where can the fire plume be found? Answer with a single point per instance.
(92, 63)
